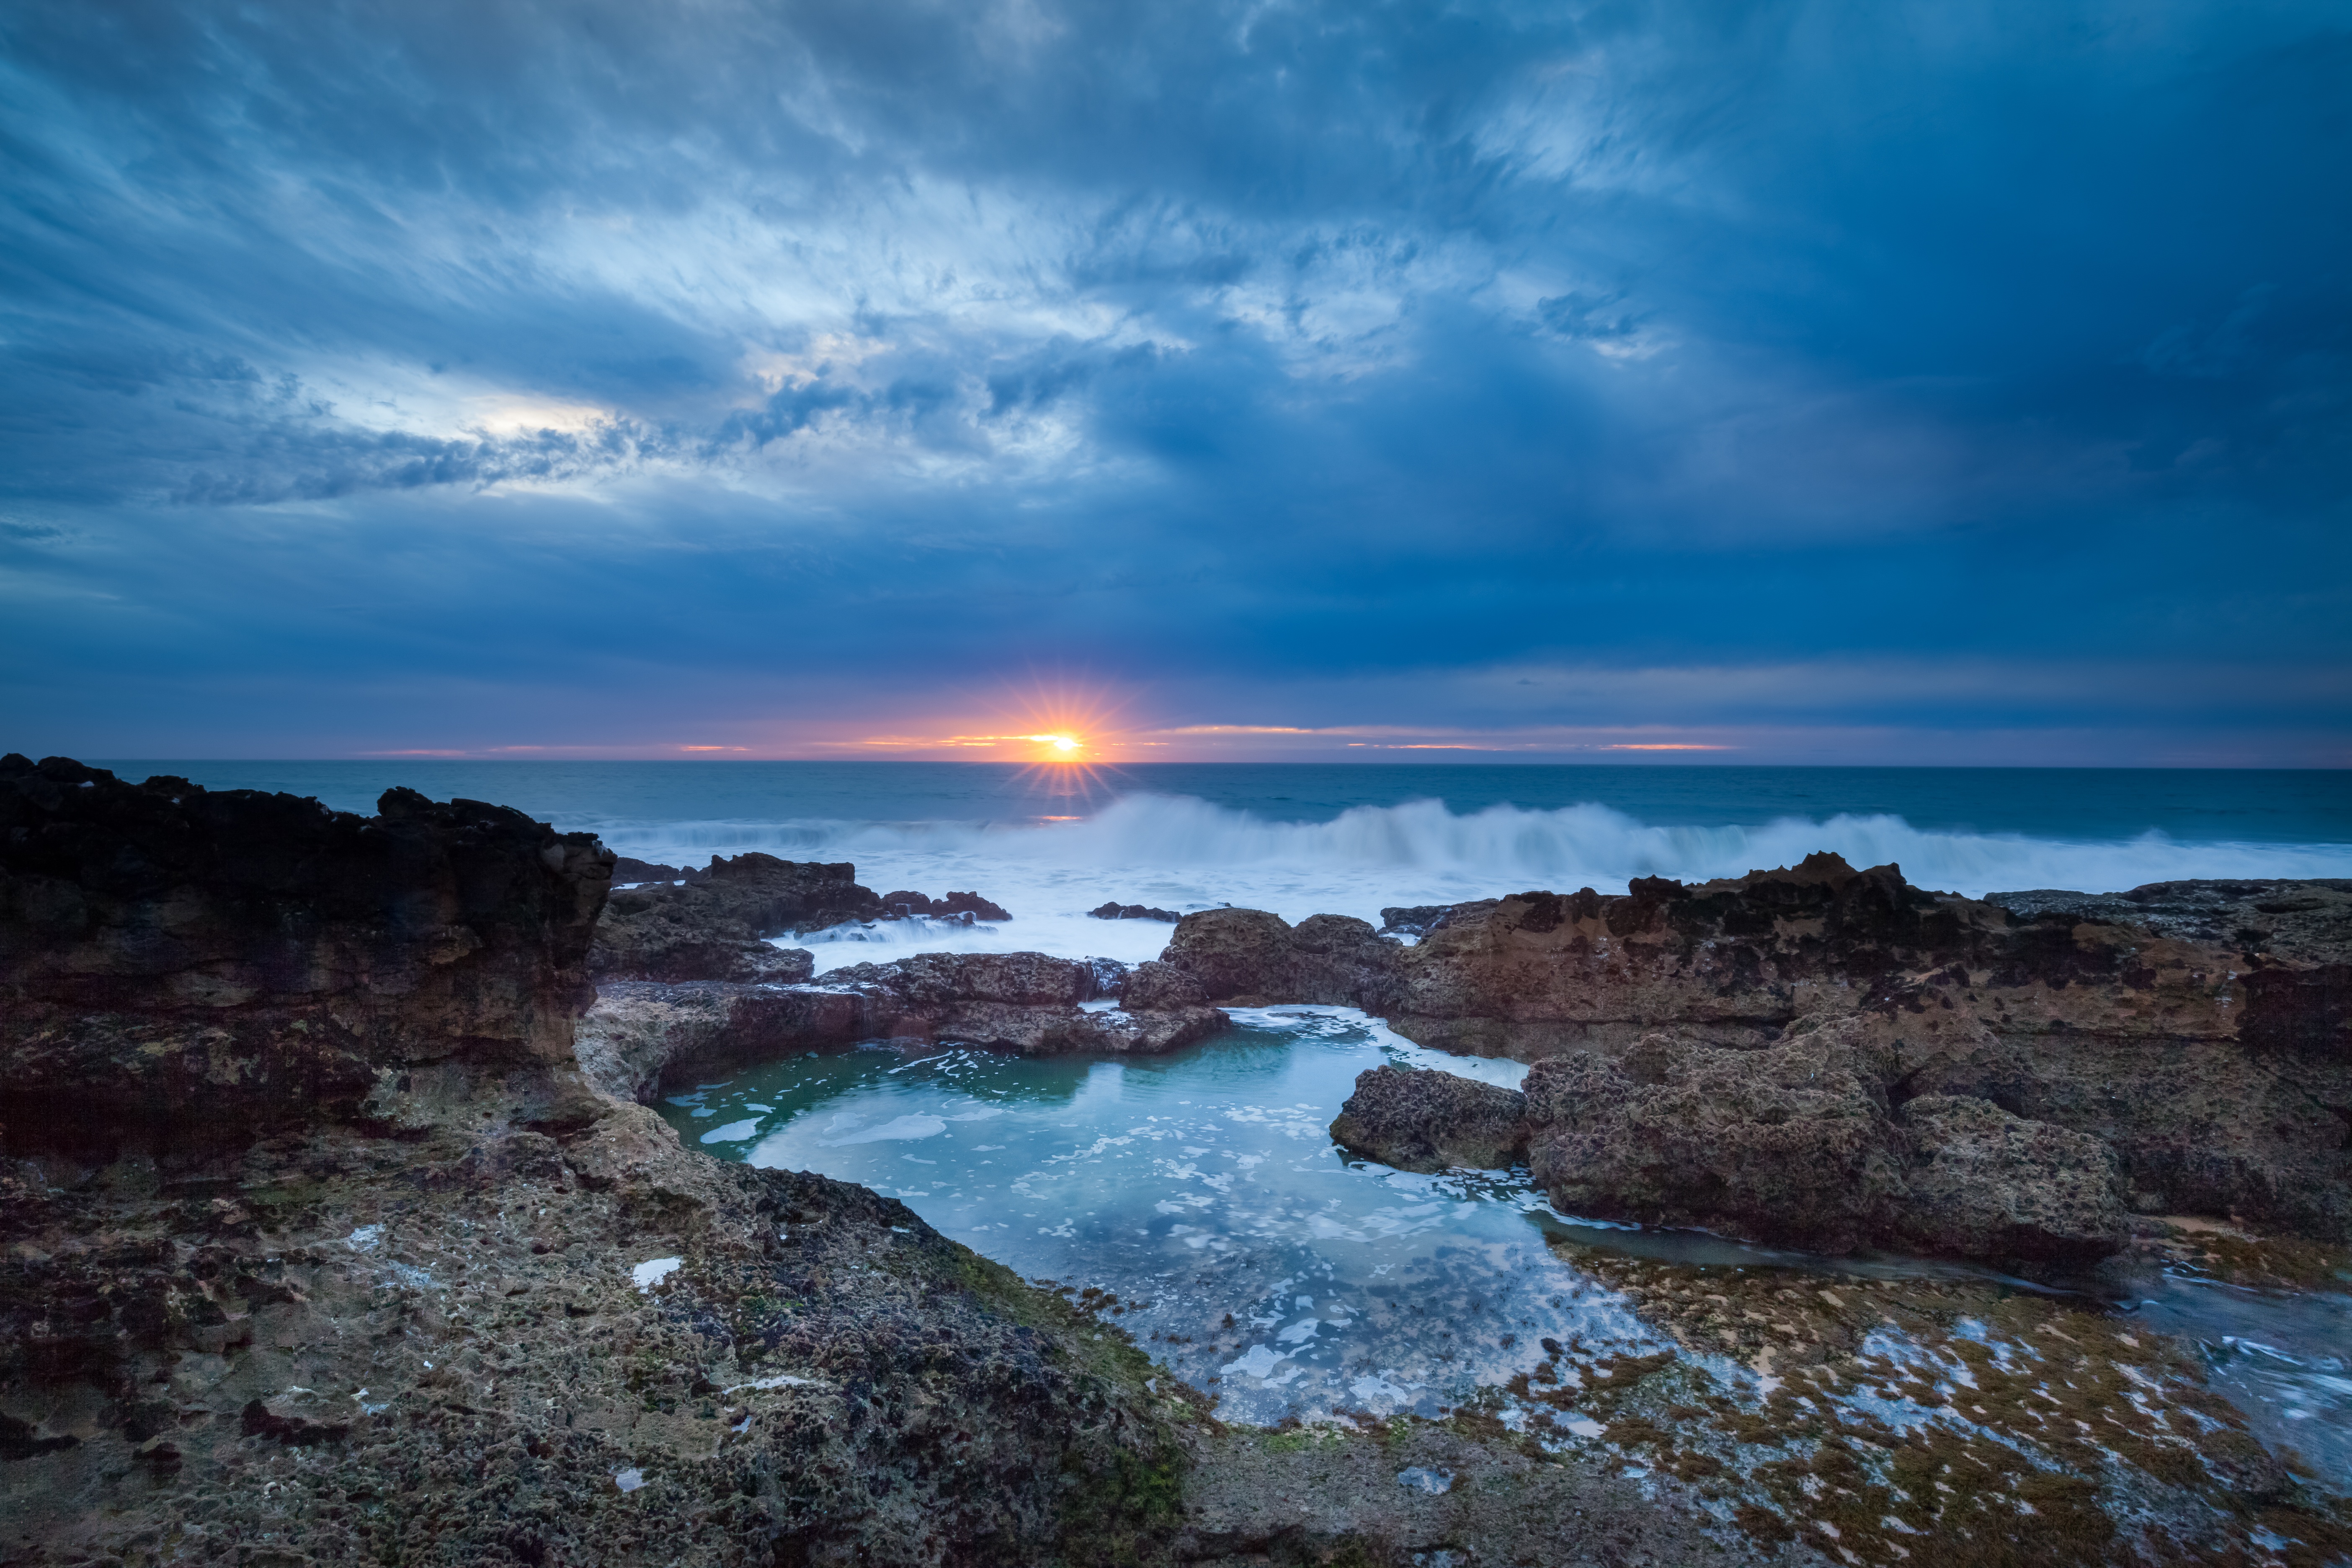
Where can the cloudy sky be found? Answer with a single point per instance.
(1877, 382)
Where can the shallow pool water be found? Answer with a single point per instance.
(1266, 1266)
(1249, 1254)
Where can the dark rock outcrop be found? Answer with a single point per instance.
(321, 1249)
(2203, 1032)
(629, 870)
(1421, 1121)
(904, 905)
(1115, 911)
(1254, 958)
(223, 960)
(716, 928)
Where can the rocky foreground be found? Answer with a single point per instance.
(336, 1231)
(322, 1248)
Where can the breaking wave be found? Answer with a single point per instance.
(1420, 850)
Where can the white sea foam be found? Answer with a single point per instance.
(1181, 853)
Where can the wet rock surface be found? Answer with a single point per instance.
(1024, 1002)
(717, 923)
(630, 871)
(1333, 1494)
(1898, 1418)
(716, 927)
(903, 905)
(1115, 911)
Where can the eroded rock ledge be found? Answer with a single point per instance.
(715, 923)
(2199, 1034)
(1024, 1002)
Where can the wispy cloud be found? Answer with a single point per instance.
(1323, 368)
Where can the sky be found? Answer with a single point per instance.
(1780, 383)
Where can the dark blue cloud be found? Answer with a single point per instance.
(565, 372)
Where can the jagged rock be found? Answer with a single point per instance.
(1420, 919)
(308, 1208)
(1023, 1002)
(167, 952)
(1253, 957)
(715, 929)
(2220, 1075)
(1154, 985)
(628, 869)
(2308, 921)
(905, 905)
(1983, 1183)
(973, 904)
(1788, 1144)
(1118, 911)
(1425, 1121)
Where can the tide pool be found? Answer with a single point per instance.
(1249, 1254)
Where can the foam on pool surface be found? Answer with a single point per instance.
(1201, 1188)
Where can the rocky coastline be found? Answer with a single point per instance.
(338, 1231)
(2197, 1034)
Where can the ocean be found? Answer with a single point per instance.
(1051, 843)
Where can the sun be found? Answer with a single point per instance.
(1058, 748)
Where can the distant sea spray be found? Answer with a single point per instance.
(1420, 849)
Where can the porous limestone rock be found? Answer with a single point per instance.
(2201, 1031)
(1252, 957)
(1790, 1143)
(1980, 1182)
(1417, 1119)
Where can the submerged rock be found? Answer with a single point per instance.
(1421, 1120)
(1115, 911)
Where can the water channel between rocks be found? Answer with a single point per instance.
(1264, 1265)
